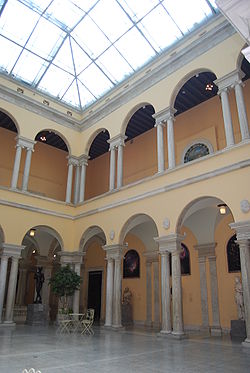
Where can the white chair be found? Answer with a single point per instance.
(87, 322)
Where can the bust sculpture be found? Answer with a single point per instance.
(39, 277)
(239, 298)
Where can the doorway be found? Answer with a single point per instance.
(95, 292)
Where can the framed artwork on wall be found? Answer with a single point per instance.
(131, 264)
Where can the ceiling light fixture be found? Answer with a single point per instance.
(32, 232)
(209, 87)
(223, 208)
(43, 138)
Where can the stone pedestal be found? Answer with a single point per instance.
(36, 315)
(127, 314)
(238, 329)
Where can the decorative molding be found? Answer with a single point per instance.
(112, 234)
(166, 223)
(245, 206)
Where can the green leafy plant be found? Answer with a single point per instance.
(64, 283)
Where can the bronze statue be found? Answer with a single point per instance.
(39, 277)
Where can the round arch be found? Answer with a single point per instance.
(58, 134)
(48, 230)
(12, 118)
(92, 138)
(131, 112)
(184, 80)
(90, 234)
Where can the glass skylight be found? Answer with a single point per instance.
(78, 50)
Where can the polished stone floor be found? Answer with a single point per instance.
(135, 350)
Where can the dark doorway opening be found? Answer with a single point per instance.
(95, 292)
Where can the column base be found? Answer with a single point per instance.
(215, 331)
(246, 343)
(8, 323)
(179, 335)
(117, 327)
(164, 333)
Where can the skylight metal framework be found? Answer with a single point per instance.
(76, 51)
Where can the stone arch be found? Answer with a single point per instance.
(92, 138)
(136, 221)
(92, 233)
(50, 231)
(13, 119)
(58, 134)
(184, 80)
(130, 114)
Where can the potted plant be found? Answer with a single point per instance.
(64, 283)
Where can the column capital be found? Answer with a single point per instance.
(242, 229)
(83, 160)
(72, 159)
(11, 250)
(114, 251)
(162, 116)
(170, 243)
(151, 256)
(116, 141)
(229, 80)
(74, 257)
(23, 142)
(206, 250)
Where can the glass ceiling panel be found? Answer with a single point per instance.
(29, 67)
(159, 29)
(114, 28)
(15, 27)
(9, 53)
(72, 48)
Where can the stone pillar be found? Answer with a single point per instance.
(117, 319)
(77, 184)
(21, 286)
(3, 274)
(156, 293)
(177, 291)
(120, 161)
(165, 293)
(16, 166)
(109, 291)
(170, 132)
(215, 328)
(149, 319)
(83, 164)
(76, 298)
(112, 168)
(152, 263)
(241, 110)
(72, 161)
(160, 146)
(203, 288)
(243, 239)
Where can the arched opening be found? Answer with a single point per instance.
(205, 225)
(93, 272)
(8, 134)
(141, 270)
(97, 174)
(50, 155)
(140, 145)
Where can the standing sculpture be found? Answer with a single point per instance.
(127, 296)
(39, 277)
(239, 298)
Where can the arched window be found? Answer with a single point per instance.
(185, 261)
(195, 151)
(131, 264)
(233, 255)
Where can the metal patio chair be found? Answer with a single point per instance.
(87, 322)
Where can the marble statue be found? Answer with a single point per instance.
(239, 298)
(39, 277)
(127, 296)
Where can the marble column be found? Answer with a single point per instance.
(215, 329)
(203, 289)
(120, 163)
(83, 164)
(11, 291)
(16, 166)
(77, 184)
(160, 146)
(166, 327)
(109, 291)
(72, 161)
(170, 134)
(177, 292)
(241, 110)
(76, 298)
(112, 168)
(243, 239)
(21, 286)
(117, 322)
(149, 319)
(156, 293)
(3, 274)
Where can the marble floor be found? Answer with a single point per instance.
(135, 350)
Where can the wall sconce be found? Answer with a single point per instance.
(223, 208)
(32, 232)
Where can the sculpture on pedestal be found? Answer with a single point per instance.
(239, 298)
(39, 277)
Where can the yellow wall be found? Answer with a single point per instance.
(7, 156)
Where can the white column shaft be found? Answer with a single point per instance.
(77, 186)
(76, 298)
(16, 167)
(82, 183)
(177, 294)
(117, 295)
(241, 112)
(203, 288)
(165, 294)
(27, 169)
(227, 118)
(160, 148)
(69, 183)
(245, 272)
(214, 292)
(3, 274)
(171, 149)
(149, 294)
(109, 292)
(112, 169)
(156, 294)
(11, 291)
(120, 166)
